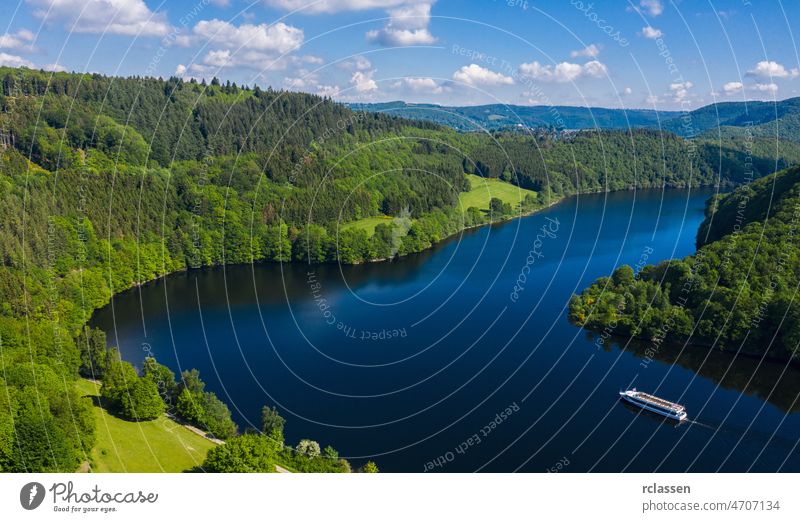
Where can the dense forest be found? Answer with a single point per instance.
(738, 292)
(107, 183)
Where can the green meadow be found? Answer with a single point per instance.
(484, 189)
(160, 445)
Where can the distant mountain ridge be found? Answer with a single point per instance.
(763, 119)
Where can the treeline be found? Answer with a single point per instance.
(106, 183)
(736, 293)
(262, 452)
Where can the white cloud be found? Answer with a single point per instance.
(220, 58)
(328, 90)
(563, 72)
(180, 70)
(362, 82)
(595, 69)
(419, 85)
(389, 37)
(627, 91)
(359, 63)
(128, 17)
(408, 19)
(336, 6)
(652, 99)
(22, 40)
(765, 87)
(310, 58)
(54, 67)
(408, 25)
(10, 60)
(590, 51)
(770, 69)
(653, 7)
(297, 83)
(275, 38)
(680, 91)
(651, 32)
(474, 74)
(304, 80)
(732, 87)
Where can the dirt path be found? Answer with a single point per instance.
(279, 469)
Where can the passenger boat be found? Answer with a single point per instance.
(655, 404)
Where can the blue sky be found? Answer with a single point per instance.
(637, 53)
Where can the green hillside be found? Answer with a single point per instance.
(737, 292)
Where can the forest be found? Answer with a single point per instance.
(107, 183)
(737, 293)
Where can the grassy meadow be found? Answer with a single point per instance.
(160, 445)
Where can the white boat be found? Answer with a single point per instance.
(655, 404)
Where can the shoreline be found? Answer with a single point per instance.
(506, 219)
(676, 342)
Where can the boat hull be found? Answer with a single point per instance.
(631, 399)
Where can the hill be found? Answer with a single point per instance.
(729, 119)
(736, 293)
(498, 116)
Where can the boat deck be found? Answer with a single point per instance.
(646, 397)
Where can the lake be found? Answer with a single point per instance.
(461, 358)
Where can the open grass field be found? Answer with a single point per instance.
(367, 224)
(161, 445)
(484, 189)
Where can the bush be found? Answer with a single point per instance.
(244, 454)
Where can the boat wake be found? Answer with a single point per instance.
(701, 424)
(750, 434)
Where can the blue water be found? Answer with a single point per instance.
(434, 362)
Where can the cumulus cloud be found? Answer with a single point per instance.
(474, 74)
(21, 40)
(257, 60)
(408, 25)
(590, 51)
(651, 32)
(627, 91)
(302, 79)
(358, 63)
(732, 87)
(408, 19)
(765, 87)
(54, 67)
(680, 90)
(328, 90)
(362, 82)
(128, 17)
(770, 69)
(563, 72)
(419, 85)
(653, 7)
(275, 38)
(10, 60)
(336, 6)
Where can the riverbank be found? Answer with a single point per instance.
(265, 340)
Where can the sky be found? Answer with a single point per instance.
(660, 54)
